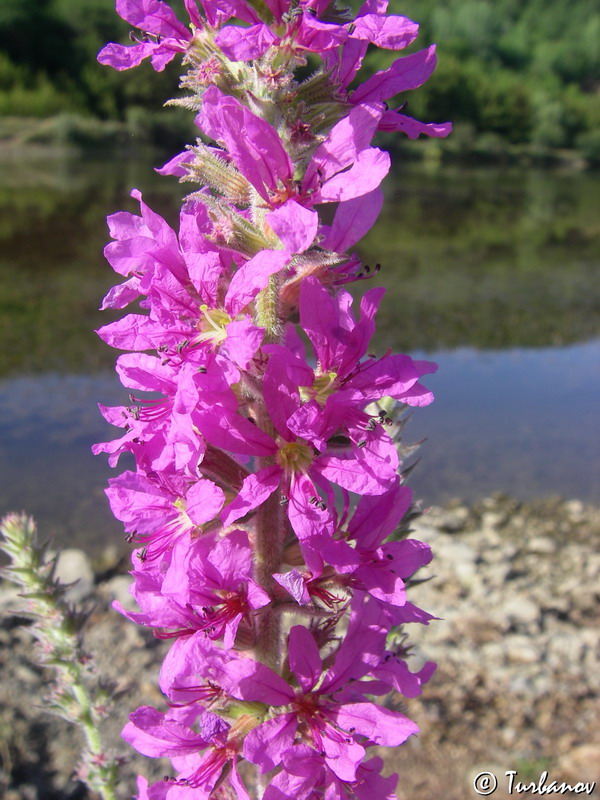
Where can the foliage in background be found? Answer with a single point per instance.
(518, 72)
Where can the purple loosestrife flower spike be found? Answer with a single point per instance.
(266, 501)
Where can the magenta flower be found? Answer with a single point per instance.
(340, 343)
(343, 167)
(214, 579)
(160, 510)
(306, 775)
(163, 735)
(163, 36)
(303, 459)
(189, 306)
(203, 585)
(371, 564)
(330, 726)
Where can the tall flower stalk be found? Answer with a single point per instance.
(268, 506)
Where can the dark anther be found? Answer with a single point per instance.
(283, 500)
(351, 29)
(202, 370)
(403, 107)
(388, 422)
(321, 505)
(131, 398)
(377, 267)
(382, 414)
(362, 443)
(390, 557)
(367, 268)
(142, 554)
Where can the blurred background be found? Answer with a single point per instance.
(489, 245)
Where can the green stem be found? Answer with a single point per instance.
(267, 311)
(268, 556)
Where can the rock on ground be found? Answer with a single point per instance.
(517, 587)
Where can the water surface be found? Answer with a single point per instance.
(492, 274)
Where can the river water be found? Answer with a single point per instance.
(490, 273)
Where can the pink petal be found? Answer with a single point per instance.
(408, 72)
(254, 276)
(393, 121)
(153, 735)
(365, 175)
(295, 584)
(203, 501)
(295, 225)
(345, 141)
(176, 165)
(232, 432)
(245, 44)
(379, 725)
(307, 519)
(392, 32)
(281, 392)
(256, 488)
(121, 295)
(152, 16)
(354, 475)
(252, 143)
(242, 342)
(375, 518)
(406, 556)
(121, 57)
(353, 219)
(252, 681)
(318, 36)
(241, 793)
(266, 744)
(304, 658)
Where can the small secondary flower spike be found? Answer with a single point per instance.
(268, 504)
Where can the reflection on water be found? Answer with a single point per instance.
(523, 421)
(489, 273)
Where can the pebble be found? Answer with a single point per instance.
(74, 567)
(541, 545)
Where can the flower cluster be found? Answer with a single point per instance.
(267, 494)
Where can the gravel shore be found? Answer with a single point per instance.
(517, 590)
